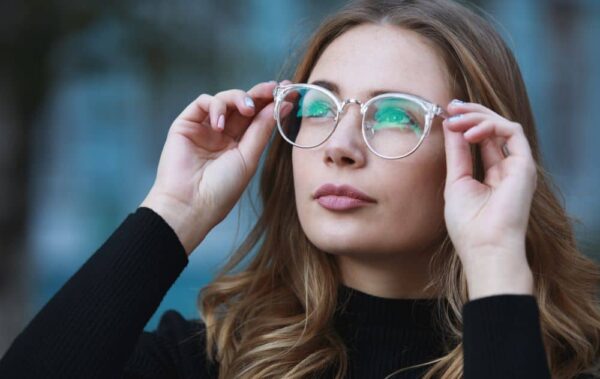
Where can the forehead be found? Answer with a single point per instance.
(371, 57)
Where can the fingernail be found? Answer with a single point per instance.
(456, 101)
(455, 117)
(221, 122)
(248, 101)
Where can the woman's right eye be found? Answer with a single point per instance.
(316, 108)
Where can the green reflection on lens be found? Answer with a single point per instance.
(391, 115)
(316, 108)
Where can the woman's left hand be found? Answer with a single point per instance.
(487, 221)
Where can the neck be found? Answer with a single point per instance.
(399, 276)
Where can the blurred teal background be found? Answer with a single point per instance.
(89, 90)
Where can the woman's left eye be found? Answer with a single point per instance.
(393, 115)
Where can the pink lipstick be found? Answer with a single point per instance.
(341, 198)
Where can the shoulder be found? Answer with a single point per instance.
(186, 338)
(177, 348)
(173, 326)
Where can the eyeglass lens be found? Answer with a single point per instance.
(393, 126)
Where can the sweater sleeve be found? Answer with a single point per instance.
(91, 326)
(502, 338)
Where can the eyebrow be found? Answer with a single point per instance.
(335, 89)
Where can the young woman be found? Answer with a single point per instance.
(403, 234)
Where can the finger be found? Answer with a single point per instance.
(237, 99)
(262, 94)
(197, 110)
(256, 137)
(491, 153)
(458, 156)
(231, 106)
(511, 131)
(285, 108)
(217, 110)
(463, 121)
(463, 107)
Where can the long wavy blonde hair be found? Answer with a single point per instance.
(270, 315)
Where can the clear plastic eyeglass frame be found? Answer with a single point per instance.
(431, 110)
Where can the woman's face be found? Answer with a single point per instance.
(407, 213)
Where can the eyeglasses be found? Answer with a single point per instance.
(394, 124)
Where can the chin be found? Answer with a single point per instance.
(346, 242)
(361, 242)
(338, 247)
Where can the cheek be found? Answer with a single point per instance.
(414, 200)
(300, 172)
(426, 175)
(303, 173)
(408, 217)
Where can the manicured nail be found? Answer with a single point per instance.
(456, 101)
(221, 122)
(455, 117)
(248, 101)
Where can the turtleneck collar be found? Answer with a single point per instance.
(365, 309)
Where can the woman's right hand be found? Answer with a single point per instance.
(210, 154)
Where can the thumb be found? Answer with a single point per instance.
(458, 155)
(256, 137)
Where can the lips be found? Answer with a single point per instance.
(343, 197)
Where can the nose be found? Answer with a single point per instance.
(345, 147)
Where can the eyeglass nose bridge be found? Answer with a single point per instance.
(342, 107)
(348, 101)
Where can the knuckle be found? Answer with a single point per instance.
(233, 97)
(221, 93)
(516, 126)
(229, 93)
(481, 108)
(488, 124)
(485, 125)
(203, 98)
(240, 95)
(216, 103)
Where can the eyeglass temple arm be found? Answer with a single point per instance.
(276, 90)
(275, 95)
(439, 111)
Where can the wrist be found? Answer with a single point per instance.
(186, 223)
(499, 275)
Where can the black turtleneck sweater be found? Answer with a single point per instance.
(93, 327)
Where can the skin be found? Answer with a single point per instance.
(213, 147)
(382, 248)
